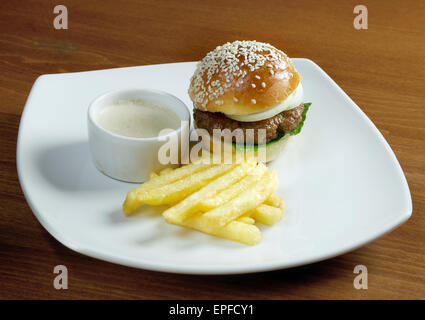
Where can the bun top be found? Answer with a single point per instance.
(243, 77)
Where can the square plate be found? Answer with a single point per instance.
(341, 182)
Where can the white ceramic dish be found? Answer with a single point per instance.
(119, 156)
(342, 184)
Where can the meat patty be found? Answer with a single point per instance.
(275, 126)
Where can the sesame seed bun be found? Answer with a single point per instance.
(243, 77)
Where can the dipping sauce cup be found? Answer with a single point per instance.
(127, 158)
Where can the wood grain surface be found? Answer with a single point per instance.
(381, 68)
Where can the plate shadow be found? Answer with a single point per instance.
(69, 167)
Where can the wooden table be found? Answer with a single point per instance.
(381, 68)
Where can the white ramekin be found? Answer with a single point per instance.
(126, 158)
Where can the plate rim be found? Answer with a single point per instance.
(205, 269)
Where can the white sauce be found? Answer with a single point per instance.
(137, 118)
(292, 101)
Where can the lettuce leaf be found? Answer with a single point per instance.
(297, 130)
(303, 117)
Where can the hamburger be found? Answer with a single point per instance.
(248, 87)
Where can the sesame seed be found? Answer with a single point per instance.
(235, 99)
(257, 76)
(263, 84)
(215, 71)
(253, 85)
(253, 101)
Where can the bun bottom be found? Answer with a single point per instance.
(271, 152)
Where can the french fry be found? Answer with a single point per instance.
(275, 201)
(131, 202)
(237, 231)
(233, 191)
(246, 219)
(266, 214)
(176, 191)
(224, 200)
(165, 171)
(244, 202)
(181, 211)
(152, 175)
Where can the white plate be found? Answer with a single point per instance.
(342, 184)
